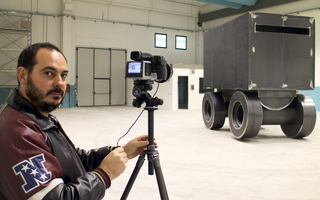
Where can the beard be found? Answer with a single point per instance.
(36, 97)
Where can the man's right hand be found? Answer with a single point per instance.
(114, 163)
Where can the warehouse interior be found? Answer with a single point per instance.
(97, 37)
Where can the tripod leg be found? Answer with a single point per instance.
(133, 176)
(159, 175)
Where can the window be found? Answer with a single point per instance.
(160, 40)
(181, 42)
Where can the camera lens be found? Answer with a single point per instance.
(135, 55)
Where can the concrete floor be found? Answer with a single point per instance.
(201, 164)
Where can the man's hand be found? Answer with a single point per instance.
(136, 146)
(114, 163)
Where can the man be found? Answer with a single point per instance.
(38, 160)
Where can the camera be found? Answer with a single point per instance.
(145, 69)
(148, 67)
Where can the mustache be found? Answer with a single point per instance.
(56, 90)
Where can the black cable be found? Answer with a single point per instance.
(136, 119)
(130, 127)
(156, 91)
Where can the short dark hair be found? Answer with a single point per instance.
(27, 58)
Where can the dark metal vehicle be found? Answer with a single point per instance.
(254, 68)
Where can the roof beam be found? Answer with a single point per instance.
(260, 4)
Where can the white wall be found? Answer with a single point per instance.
(111, 24)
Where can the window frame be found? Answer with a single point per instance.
(176, 42)
(155, 40)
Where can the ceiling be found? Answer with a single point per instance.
(212, 13)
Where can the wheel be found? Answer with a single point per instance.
(245, 115)
(214, 110)
(305, 119)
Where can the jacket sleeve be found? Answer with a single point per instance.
(91, 159)
(30, 171)
(86, 187)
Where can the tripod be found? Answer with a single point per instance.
(153, 158)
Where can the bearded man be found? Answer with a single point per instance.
(38, 160)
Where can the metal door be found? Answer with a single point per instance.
(100, 77)
(183, 91)
(84, 77)
(118, 81)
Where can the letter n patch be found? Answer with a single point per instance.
(32, 172)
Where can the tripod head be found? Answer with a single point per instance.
(140, 91)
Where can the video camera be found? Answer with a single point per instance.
(145, 69)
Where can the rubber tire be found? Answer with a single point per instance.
(245, 115)
(214, 110)
(305, 119)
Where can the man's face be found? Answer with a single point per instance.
(46, 85)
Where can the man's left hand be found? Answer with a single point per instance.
(136, 146)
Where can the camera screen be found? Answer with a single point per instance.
(134, 67)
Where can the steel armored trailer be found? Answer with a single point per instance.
(255, 67)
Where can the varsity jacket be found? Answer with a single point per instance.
(39, 161)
